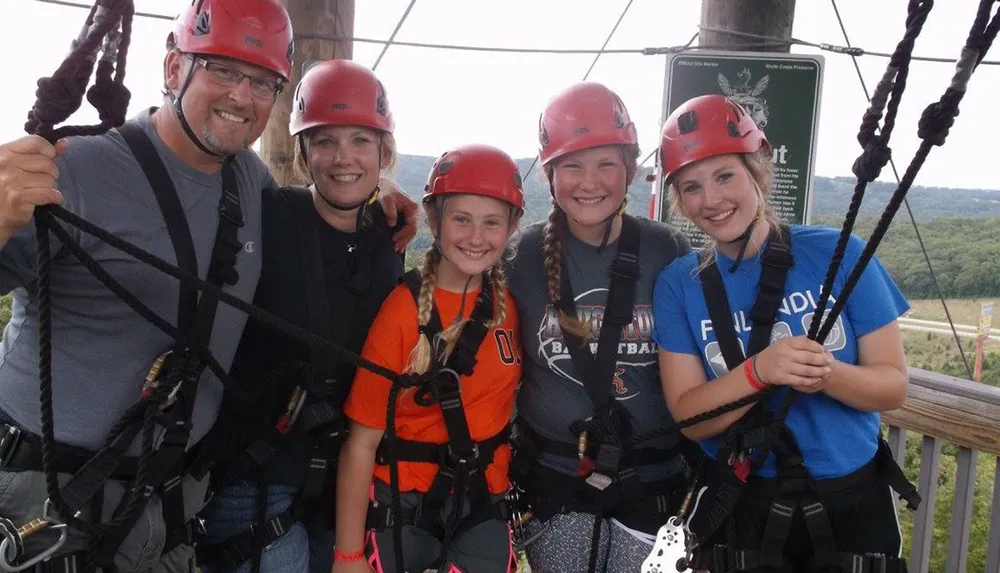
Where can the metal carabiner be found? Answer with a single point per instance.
(9, 553)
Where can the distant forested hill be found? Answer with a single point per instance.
(961, 227)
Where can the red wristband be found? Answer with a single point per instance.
(750, 372)
(341, 557)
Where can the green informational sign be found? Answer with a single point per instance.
(781, 92)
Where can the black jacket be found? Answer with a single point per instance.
(317, 278)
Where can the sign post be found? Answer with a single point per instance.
(781, 92)
(983, 334)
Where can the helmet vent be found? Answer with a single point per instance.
(687, 122)
(733, 130)
(202, 27)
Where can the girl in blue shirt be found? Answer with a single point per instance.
(820, 501)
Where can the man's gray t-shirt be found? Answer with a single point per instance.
(552, 393)
(102, 349)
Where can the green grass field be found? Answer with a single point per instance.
(939, 352)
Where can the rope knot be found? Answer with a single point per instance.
(110, 99)
(872, 160)
(937, 119)
(57, 99)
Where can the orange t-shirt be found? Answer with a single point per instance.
(487, 396)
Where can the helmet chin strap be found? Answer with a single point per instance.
(179, 110)
(744, 238)
(744, 241)
(609, 224)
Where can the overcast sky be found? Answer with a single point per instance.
(442, 98)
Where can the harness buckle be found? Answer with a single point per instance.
(876, 562)
(468, 462)
(778, 255)
(625, 265)
(9, 443)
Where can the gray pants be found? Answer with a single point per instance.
(562, 545)
(484, 548)
(23, 495)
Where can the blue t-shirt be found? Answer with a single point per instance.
(835, 439)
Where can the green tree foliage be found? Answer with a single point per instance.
(964, 252)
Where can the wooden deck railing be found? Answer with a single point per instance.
(943, 409)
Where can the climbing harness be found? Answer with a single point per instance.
(607, 481)
(727, 478)
(462, 462)
(311, 426)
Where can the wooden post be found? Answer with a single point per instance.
(310, 18)
(772, 18)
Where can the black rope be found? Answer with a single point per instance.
(906, 203)
(78, 252)
(60, 95)
(933, 127)
(935, 122)
(876, 152)
(186, 278)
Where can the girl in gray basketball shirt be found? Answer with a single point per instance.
(582, 402)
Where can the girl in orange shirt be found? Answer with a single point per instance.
(452, 327)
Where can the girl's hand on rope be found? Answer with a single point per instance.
(797, 362)
(28, 176)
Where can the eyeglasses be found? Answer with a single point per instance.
(260, 87)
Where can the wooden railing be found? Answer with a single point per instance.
(943, 409)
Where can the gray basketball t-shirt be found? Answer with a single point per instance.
(552, 394)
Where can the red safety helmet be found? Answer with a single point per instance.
(584, 115)
(258, 32)
(706, 126)
(478, 170)
(340, 92)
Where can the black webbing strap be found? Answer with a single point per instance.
(463, 357)
(241, 547)
(775, 264)
(598, 371)
(464, 467)
(718, 502)
(314, 284)
(720, 559)
(173, 214)
(413, 451)
(183, 368)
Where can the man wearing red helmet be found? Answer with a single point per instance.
(178, 181)
(328, 264)
(799, 509)
(438, 451)
(583, 287)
